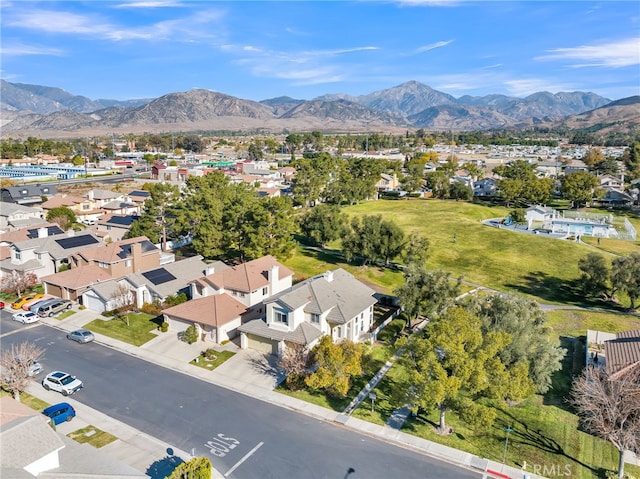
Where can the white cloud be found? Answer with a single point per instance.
(433, 46)
(615, 54)
(150, 4)
(527, 86)
(20, 49)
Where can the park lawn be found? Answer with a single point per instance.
(536, 266)
(613, 246)
(137, 333)
(573, 322)
(97, 438)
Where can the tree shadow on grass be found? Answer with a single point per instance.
(552, 289)
(535, 438)
(560, 390)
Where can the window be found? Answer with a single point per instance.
(280, 316)
(315, 318)
(127, 263)
(338, 332)
(18, 255)
(265, 291)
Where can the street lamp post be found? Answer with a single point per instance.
(506, 443)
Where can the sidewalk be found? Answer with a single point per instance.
(249, 373)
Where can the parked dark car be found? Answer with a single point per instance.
(59, 413)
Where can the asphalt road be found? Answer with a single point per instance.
(244, 437)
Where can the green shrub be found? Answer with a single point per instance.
(164, 327)
(191, 334)
(210, 354)
(176, 299)
(82, 307)
(151, 308)
(196, 468)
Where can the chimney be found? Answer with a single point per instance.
(90, 194)
(328, 276)
(136, 256)
(43, 232)
(71, 232)
(209, 269)
(274, 274)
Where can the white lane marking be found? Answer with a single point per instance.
(246, 456)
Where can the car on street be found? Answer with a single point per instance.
(33, 367)
(81, 336)
(26, 317)
(1, 304)
(62, 382)
(20, 302)
(49, 309)
(59, 413)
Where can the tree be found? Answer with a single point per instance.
(530, 345)
(609, 407)
(18, 281)
(593, 158)
(414, 178)
(595, 275)
(336, 365)
(269, 229)
(62, 215)
(578, 187)
(426, 293)
(372, 238)
(191, 334)
(195, 468)
(16, 362)
(518, 215)
(323, 223)
(460, 191)
(625, 275)
(158, 217)
(453, 363)
(77, 160)
(416, 249)
(123, 300)
(294, 363)
(631, 159)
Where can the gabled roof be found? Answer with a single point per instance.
(336, 292)
(304, 334)
(247, 277)
(10, 209)
(118, 250)
(27, 192)
(215, 310)
(99, 194)
(59, 246)
(25, 435)
(118, 221)
(171, 277)
(117, 204)
(76, 278)
(62, 200)
(24, 234)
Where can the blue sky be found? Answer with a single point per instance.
(257, 50)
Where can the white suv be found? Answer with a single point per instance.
(62, 382)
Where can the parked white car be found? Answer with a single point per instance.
(26, 317)
(62, 382)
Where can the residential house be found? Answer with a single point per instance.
(610, 181)
(333, 303)
(228, 296)
(387, 182)
(139, 197)
(14, 216)
(30, 447)
(485, 188)
(145, 286)
(109, 261)
(27, 194)
(115, 227)
(615, 197)
(44, 255)
(539, 214)
(27, 233)
(287, 173)
(615, 352)
(82, 207)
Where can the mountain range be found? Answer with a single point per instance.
(47, 111)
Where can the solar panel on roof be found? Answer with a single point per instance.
(51, 231)
(122, 220)
(143, 194)
(76, 241)
(158, 276)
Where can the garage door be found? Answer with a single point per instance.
(92, 302)
(263, 345)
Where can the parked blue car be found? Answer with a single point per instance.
(59, 413)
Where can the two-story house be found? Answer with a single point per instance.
(333, 303)
(15, 216)
(44, 254)
(95, 264)
(227, 296)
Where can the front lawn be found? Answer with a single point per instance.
(211, 364)
(137, 332)
(93, 436)
(65, 314)
(27, 399)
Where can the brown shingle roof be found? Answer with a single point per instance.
(76, 278)
(112, 252)
(248, 277)
(622, 351)
(62, 200)
(216, 310)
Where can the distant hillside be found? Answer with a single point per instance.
(40, 110)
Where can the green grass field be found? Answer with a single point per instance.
(571, 322)
(137, 332)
